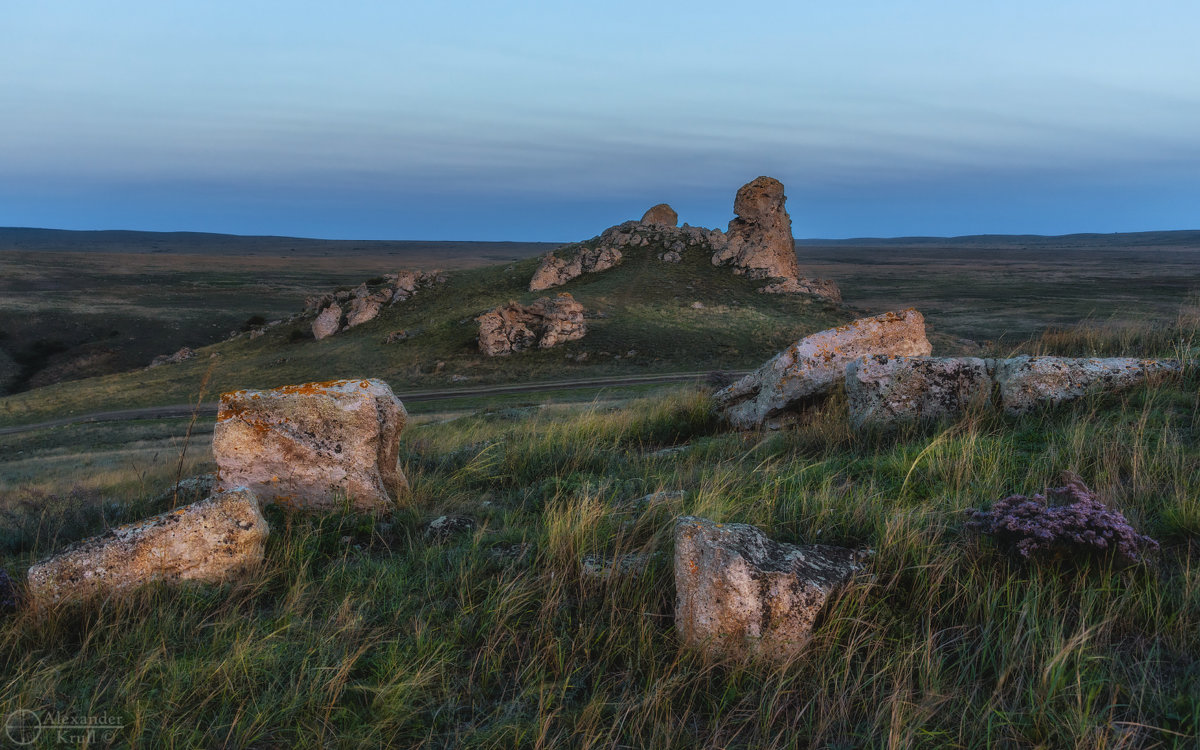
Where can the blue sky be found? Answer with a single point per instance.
(551, 120)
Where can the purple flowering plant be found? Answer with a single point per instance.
(1078, 524)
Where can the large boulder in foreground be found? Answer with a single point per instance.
(209, 541)
(317, 446)
(739, 594)
(542, 324)
(884, 390)
(815, 364)
(760, 242)
(1026, 383)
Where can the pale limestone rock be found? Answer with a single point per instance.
(328, 322)
(884, 390)
(365, 309)
(567, 263)
(738, 594)
(209, 541)
(1026, 383)
(317, 446)
(661, 215)
(760, 242)
(815, 364)
(542, 324)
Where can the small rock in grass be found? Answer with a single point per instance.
(444, 528)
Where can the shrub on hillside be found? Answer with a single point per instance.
(1077, 525)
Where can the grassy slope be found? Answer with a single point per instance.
(364, 633)
(647, 304)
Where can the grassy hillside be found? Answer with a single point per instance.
(642, 320)
(361, 632)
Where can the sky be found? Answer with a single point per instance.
(550, 121)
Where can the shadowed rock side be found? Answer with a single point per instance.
(815, 364)
(739, 594)
(1029, 382)
(318, 446)
(883, 389)
(209, 541)
(542, 324)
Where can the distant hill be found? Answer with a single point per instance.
(455, 254)
(1122, 240)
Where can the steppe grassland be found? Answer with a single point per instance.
(362, 631)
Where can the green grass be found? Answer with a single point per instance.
(360, 632)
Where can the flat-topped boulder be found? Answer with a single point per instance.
(1026, 382)
(209, 541)
(739, 594)
(883, 389)
(815, 364)
(760, 242)
(661, 215)
(543, 323)
(316, 446)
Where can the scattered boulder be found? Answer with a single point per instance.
(317, 446)
(444, 528)
(630, 564)
(661, 215)
(209, 541)
(1026, 383)
(671, 256)
(813, 365)
(541, 324)
(182, 355)
(760, 242)
(396, 337)
(406, 283)
(366, 308)
(821, 288)
(562, 265)
(317, 302)
(739, 594)
(328, 322)
(884, 390)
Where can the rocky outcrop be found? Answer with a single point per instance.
(542, 324)
(366, 308)
(1026, 383)
(318, 446)
(407, 283)
(738, 594)
(661, 215)
(821, 288)
(182, 355)
(815, 364)
(884, 390)
(760, 242)
(607, 250)
(566, 263)
(209, 541)
(328, 322)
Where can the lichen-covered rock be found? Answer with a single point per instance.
(815, 364)
(739, 594)
(661, 215)
(328, 322)
(821, 288)
(884, 390)
(1026, 382)
(542, 324)
(209, 541)
(567, 263)
(760, 242)
(317, 446)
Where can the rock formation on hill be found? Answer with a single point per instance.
(366, 301)
(541, 324)
(661, 215)
(208, 541)
(316, 446)
(182, 355)
(760, 238)
(815, 364)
